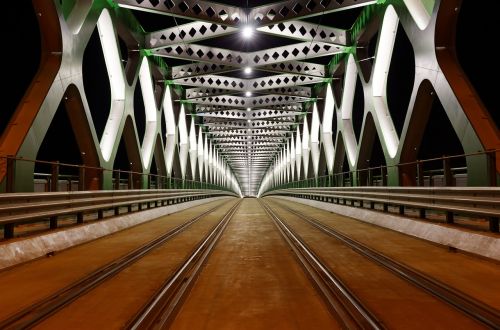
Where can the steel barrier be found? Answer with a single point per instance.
(469, 201)
(21, 208)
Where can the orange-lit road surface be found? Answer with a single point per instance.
(252, 279)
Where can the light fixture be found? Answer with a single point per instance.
(248, 93)
(247, 70)
(247, 32)
(248, 120)
(248, 109)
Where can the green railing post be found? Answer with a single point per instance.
(11, 165)
(81, 178)
(383, 174)
(54, 177)
(448, 176)
(492, 170)
(130, 180)
(420, 173)
(117, 180)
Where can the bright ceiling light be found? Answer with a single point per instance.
(247, 70)
(247, 32)
(248, 109)
(248, 93)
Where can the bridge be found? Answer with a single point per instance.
(261, 164)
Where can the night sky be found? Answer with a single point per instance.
(474, 37)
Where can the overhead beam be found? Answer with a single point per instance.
(296, 68)
(192, 9)
(235, 16)
(292, 10)
(293, 67)
(199, 69)
(253, 85)
(245, 114)
(288, 107)
(186, 33)
(298, 51)
(243, 102)
(285, 125)
(304, 31)
(266, 142)
(284, 91)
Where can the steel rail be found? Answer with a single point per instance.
(30, 316)
(341, 301)
(161, 310)
(474, 308)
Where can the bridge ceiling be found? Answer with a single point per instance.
(247, 72)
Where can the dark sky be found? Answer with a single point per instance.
(22, 34)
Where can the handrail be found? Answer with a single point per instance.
(132, 179)
(19, 208)
(470, 201)
(381, 172)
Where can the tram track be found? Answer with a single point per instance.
(161, 310)
(342, 302)
(466, 304)
(44, 308)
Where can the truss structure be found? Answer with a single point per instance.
(240, 113)
(236, 109)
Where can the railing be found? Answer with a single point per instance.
(470, 201)
(422, 173)
(71, 177)
(22, 208)
(68, 192)
(441, 189)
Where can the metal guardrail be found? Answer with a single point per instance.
(20, 208)
(72, 177)
(427, 172)
(469, 201)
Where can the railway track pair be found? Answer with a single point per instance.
(344, 304)
(160, 308)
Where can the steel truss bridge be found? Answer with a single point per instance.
(246, 117)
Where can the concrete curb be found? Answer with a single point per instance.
(475, 243)
(34, 247)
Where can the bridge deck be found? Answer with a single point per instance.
(251, 278)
